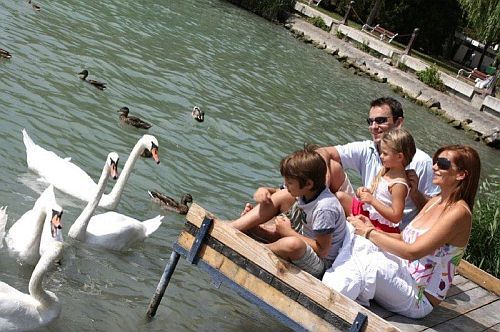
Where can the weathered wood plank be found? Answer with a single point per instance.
(460, 288)
(452, 307)
(287, 272)
(495, 328)
(480, 319)
(259, 288)
(479, 276)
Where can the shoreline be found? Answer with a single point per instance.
(454, 110)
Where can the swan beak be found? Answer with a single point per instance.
(56, 225)
(114, 171)
(156, 157)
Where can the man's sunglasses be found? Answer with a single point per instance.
(442, 163)
(378, 120)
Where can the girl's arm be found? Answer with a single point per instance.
(393, 213)
(452, 227)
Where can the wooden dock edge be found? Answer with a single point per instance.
(480, 277)
(289, 274)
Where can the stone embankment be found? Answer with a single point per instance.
(455, 110)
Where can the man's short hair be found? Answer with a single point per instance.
(394, 105)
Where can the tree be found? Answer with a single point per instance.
(484, 17)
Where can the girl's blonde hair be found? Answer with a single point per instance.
(398, 140)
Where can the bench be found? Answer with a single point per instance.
(383, 33)
(314, 2)
(473, 75)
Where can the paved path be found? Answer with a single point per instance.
(460, 113)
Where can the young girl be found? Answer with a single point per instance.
(384, 202)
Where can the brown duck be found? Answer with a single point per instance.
(171, 204)
(198, 114)
(83, 75)
(132, 120)
(5, 54)
(34, 5)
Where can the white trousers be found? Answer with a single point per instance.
(363, 272)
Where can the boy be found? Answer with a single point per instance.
(324, 227)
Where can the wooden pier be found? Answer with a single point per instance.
(302, 302)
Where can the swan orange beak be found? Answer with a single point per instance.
(156, 157)
(56, 224)
(114, 171)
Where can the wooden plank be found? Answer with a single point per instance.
(480, 319)
(495, 328)
(479, 276)
(335, 302)
(265, 292)
(452, 307)
(460, 288)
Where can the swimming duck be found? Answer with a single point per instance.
(132, 120)
(83, 75)
(198, 114)
(171, 204)
(34, 5)
(5, 54)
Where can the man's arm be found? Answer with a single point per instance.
(335, 175)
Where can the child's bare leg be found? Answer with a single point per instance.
(346, 202)
(281, 202)
(290, 247)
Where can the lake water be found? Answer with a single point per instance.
(263, 92)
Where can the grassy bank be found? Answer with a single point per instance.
(484, 245)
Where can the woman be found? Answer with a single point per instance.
(410, 273)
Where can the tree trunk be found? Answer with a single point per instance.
(374, 13)
(486, 46)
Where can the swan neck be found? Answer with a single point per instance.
(35, 285)
(79, 227)
(117, 190)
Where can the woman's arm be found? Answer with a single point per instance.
(453, 227)
(393, 213)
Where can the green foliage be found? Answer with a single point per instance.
(340, 35)
(402, 66)
(484, 244)
(365, 47)
(270, 9)
(431, 77)
(484, 17)
(318, 22)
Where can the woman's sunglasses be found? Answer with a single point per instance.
(442, 163)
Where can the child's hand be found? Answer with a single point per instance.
(361, 190)
(283, 226)
(413, 179)
(262, 196)
(365, 195)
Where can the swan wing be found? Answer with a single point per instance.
(115, 231)
(22, 240)
(17, 310)
(62, 173)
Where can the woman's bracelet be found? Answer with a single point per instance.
(367, 234)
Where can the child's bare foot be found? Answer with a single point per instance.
(247, 208)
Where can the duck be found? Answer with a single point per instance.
(5, 54)
(110, 230)
(171, 204)
(198, 114)
(72, 180)
(83, 75)
(43, 221)
(22, 312)
(34, 5)
(132, 120)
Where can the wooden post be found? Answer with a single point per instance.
(412, 40)
(162, 285)
(346, 16)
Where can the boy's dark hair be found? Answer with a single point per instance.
(394, 105)
(303, 165)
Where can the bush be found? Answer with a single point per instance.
(484, 243)
(365, 47)
(340, 35)
(318, 22)
(431, 77)
(270, 9)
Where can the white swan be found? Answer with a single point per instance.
(20, 311)
(3, 222)
(71, 179)
(110, 230)
(24, 237)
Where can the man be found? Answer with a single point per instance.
(385, 114)
(363, 157)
